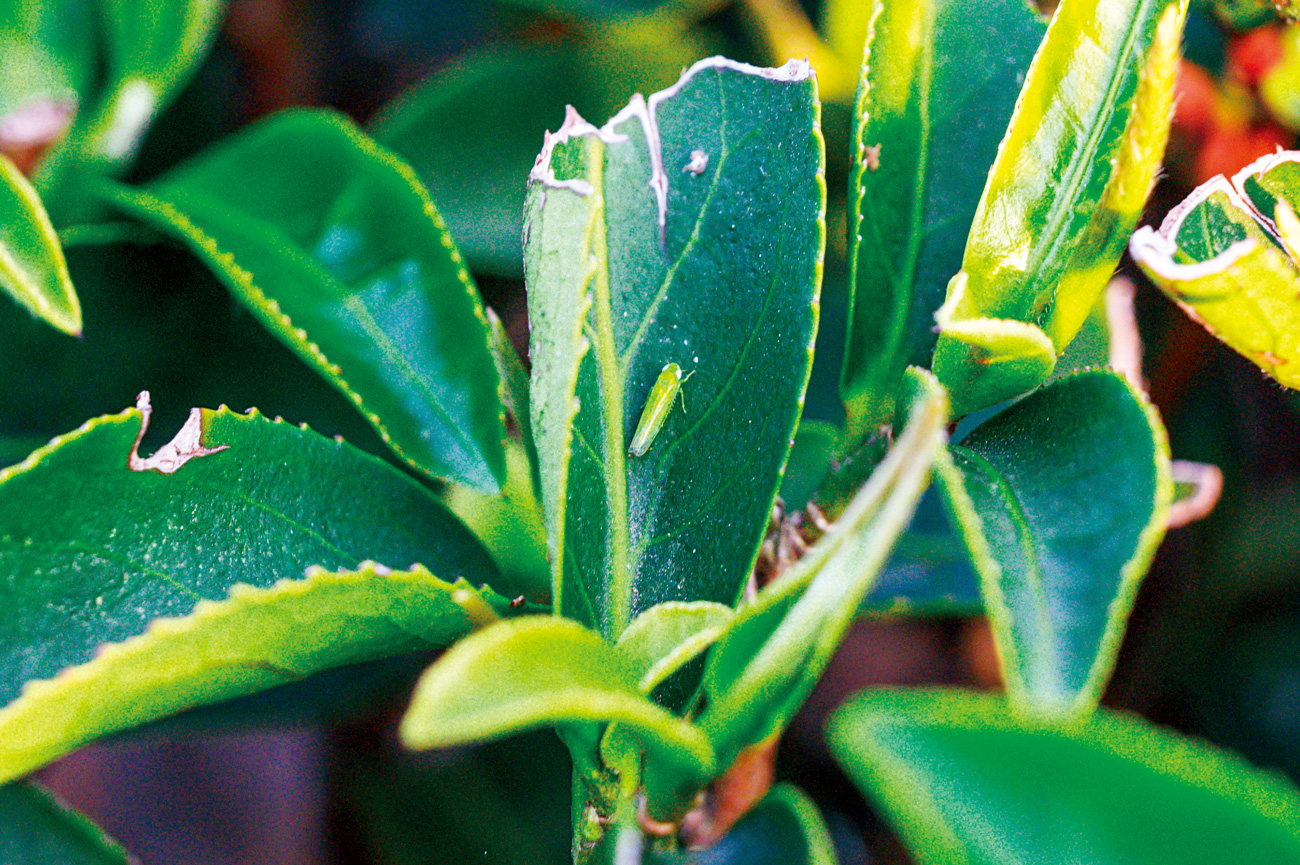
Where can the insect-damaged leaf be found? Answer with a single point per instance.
(1228, 256)
(687, 230)
(332, 242)
(1066, 189)
(96, 552)
(926, 130)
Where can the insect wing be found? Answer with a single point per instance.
(657, 406)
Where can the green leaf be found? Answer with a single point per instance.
(783, 829)
(664, 638)
(47, 60)
(776, 648)
(938, 84)
(153, 50)
(688, 230)
(510, 526)
(593, 11)
(809, 463)
(1227, 256)
(514, 381)
(515, 394)
(334, 245)
(32, 268)
(40, 830)
(1067, 187)
(541, 670)
(1062, 500)
(99, 544)
(930, 572)
(513, 92)
(966, 781)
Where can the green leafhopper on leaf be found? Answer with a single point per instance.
(657, 406)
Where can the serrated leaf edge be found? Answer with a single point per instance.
(240, 596)
(1120, 734)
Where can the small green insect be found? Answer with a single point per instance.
(657, 406)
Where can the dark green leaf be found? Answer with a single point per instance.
(334, 245)
(783, 829)
(687, 231)
(32, 268)
(967, 781)
(512, 93)
(930, 572)
(39, 830)
(809, 462)
(1062, 499)
(1067, 187)
(514, 380)
(938, 84)
(602, 10)
(767, 661)
(97, 551)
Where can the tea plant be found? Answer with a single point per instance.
(706, 552)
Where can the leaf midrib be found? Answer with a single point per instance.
(618, 604)
(291, 249)
(1076, 174)
(649, 315)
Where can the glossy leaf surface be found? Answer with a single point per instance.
(966, 781)
(334, 245)
(936, 91)
(97, 552)
(1065, 191)
(767, 661)
(32, 269)
(1227, 256)
(1062, 499)
(687, 230)
(39, 830)
(513, 92)
(543, 670)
